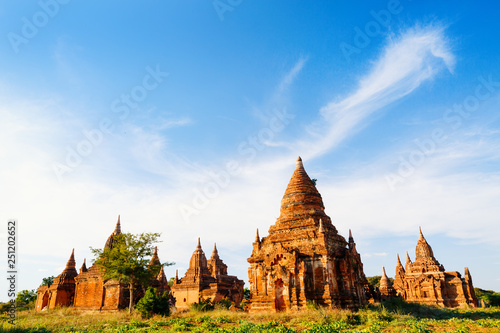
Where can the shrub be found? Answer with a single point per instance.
(203, 305)
(152, 303)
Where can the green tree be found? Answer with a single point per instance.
(246, 294)
(152, 303)
(127, 261)
(489, 297)
(47, 281)
(26, 299)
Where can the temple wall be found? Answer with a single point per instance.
(89, 293)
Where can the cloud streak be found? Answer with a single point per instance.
(405, 64)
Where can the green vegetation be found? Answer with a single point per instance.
(26, 299)
(47, 281)
(391, 316)
(152, 303)
(489, 297)
(204, 305)
(127, 262)
(375, 280)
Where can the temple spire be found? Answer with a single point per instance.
(301, 198)
(408, 262)
(84, 266)
(257, 237)
(299, 164)
(423, 249)
(215, 253)
(71, 262)
(399, 261)
(118, 229)
(155, 260)
(198, 263)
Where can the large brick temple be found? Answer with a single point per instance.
(426, 281)
(304, 258)
(207, 279)
(87, 290)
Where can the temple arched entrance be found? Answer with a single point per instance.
(45, 300)
(279, 298)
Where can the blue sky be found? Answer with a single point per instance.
(186, 118)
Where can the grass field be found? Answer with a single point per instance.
(392, 317)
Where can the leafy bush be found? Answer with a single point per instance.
(203, 305)
(25, 300)
(223, 304)
(489, 297)
(152, 303)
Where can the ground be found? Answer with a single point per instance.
(393, 317)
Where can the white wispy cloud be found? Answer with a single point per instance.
(406, 62)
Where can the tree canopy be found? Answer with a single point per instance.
(127, 261)
(47, 281)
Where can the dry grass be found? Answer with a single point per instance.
(375, 319)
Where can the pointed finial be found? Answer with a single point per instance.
(299, 162)
(198, 247)
(84, 266)
(321, 229)
(350, 233)
(156, 251)
(420, 236)
(407, 257)
(257, 237)
(399, 261)
(176, 274)
(215, 249)
(383, 273)
(71, 261)
(118, 229)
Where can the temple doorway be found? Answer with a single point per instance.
(279, 299)
(45, 300)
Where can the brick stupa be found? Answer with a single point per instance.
(304, 258)
(87, 290)
(425, 280)
(62, 291)
(207, 279)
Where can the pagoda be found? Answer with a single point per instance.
(304, 258)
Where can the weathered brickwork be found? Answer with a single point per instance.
(304, 258)
(207, 279)
(88, 291)
(386, 288)
(61, 292)
(425, 280)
